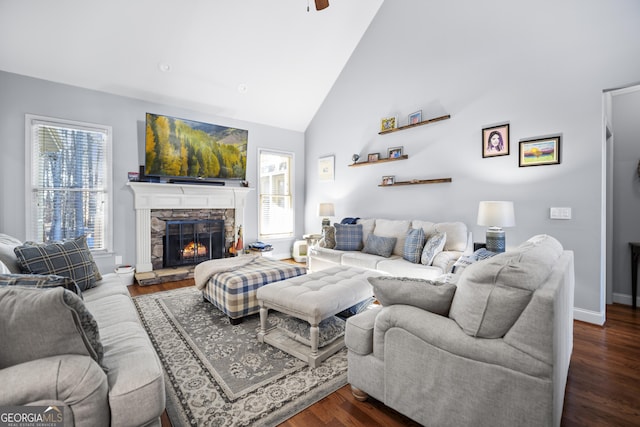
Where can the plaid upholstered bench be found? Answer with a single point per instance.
(233, 289)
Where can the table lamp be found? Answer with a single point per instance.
(326, 210)
(496, 215)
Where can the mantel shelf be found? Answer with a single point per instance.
(417, 182)
(391, 159)
(425, 122)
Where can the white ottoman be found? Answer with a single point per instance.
(312, 297)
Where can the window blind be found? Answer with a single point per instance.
(275, 197)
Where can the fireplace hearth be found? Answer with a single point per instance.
(189, 242)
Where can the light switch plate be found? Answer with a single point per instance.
(560, 213)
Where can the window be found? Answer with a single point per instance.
(275, 199)
(68, 168)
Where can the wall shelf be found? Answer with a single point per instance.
(422, 123)
(392, 159)
(417, 182)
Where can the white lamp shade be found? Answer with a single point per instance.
(496, 214)
(326, 209)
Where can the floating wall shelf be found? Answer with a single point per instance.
(392, 159)
(417, 181)
(422, 123)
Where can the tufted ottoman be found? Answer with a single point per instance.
(312, 298)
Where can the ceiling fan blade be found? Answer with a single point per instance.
(322, 4)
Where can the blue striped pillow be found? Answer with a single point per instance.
(413, 245)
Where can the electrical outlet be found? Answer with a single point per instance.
(118, 259)
(560, 213)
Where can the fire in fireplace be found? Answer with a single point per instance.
(189, 242)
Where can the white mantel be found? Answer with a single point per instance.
(149, 196)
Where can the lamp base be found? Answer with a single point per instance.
(495, 240)
(326, 221)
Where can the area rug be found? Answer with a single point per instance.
(218, 374)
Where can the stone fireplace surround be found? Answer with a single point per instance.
(150, 197)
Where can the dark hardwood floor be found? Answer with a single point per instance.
(603, 388)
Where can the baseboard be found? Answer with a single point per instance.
(624, 299)
(588, 316)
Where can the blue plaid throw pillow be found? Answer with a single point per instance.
(39, 281)
(413, 245)
(348, 237)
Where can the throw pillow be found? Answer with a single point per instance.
(45, 322)
(433, 247)
(378, 245)
(330, 329)
(425, 294)
(348, 237)
(413, 245)
(40, 281)
(70, 259)
(328, 237)
(465, 261)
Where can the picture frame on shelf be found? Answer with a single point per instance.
(388, 123)
(388, 180)
(415, 118)
(373, 157)
(395, 152)
(326, 168)
(540, 151)
(495, 141)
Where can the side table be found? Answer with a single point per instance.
(635, 256)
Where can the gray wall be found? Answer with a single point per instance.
(540, 66)
(626, 190)
(20, 95)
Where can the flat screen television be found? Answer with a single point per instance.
(186, 149)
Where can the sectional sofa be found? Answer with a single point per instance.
(395, 248)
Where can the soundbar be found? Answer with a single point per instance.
(195, 181)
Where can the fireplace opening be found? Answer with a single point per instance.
(189, 242)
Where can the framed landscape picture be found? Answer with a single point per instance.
(495, 141)
(538, 152)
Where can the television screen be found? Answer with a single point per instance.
(186, 148)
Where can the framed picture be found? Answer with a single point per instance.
(395, 152)
(415, 118)
(388, 123)
(373, 157)
(538, 152)
(326, 168)
(495, 141)
(388, 180)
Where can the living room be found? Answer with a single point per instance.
(543, 68)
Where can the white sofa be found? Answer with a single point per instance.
(458, 242)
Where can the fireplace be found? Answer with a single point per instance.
(189, 242)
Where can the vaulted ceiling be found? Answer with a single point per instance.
(269, 62)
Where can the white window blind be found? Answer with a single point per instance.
(275, 198)
(69, 173)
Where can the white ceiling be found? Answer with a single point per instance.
(287, 58)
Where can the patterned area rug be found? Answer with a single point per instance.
(218, 374)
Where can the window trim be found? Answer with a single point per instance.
(33, 119)
(292, 191)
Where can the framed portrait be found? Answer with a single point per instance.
(326, 168)
(388, 180)
(495, 141)
(395, 152)
(415, 118)
(388, 123)
(373, 157)
(538, 152)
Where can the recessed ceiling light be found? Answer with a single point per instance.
(243, 88)
(165, 68)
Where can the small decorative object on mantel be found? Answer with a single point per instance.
(495, 141)
(388, 180)
(395, 152)
(355, 158)
(415, 118)
(133, 176)
(537, 152)
(388, 123)
(244, 183)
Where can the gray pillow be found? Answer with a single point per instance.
(70, 259)
(433, 247)
(348, 237)
(413, 245)
(493, 293)
(378, 245)
(425, 294)
(40, 281)
(45, 322)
